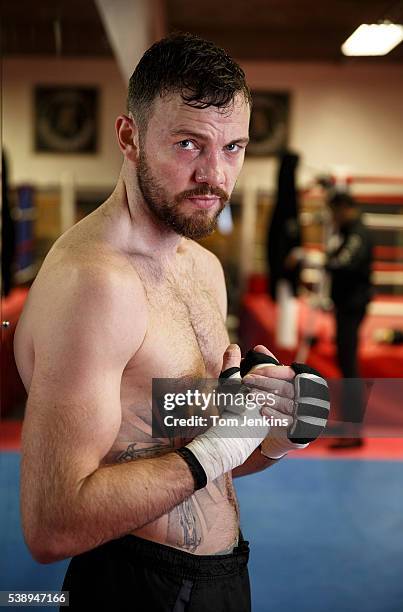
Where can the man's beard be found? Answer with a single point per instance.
(198, 224)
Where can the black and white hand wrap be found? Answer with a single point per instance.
(216, 451)
(311, 402)
(311, 407)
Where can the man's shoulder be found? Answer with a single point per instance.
(90, 279)
(360, 229)
(95, 263)
(93, 300)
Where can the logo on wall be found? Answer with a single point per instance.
(269, 120)
(66, 119)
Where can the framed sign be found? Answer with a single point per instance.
(65, 119)
(269, 121)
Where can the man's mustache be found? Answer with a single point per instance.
(202, 190)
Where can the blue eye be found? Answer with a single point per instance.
(185, 144)
(233, 147)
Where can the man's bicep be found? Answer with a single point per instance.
(67, 430)
(80, 354)
(71, 419)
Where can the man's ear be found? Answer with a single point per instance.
(128, 137)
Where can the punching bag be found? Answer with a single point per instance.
(284, 232)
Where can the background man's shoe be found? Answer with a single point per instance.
(341, 443)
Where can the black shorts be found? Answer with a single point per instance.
(138, 575)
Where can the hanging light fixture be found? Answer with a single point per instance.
(373, 39)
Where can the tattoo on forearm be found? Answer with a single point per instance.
(134, 452)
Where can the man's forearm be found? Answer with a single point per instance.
(115, 500)
(256, 462)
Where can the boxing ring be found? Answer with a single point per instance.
(381, 200)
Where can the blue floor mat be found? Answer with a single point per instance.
(18, 571)
(326, 536)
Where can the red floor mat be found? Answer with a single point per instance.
(257, 326)
(374, 448)
(10, 435)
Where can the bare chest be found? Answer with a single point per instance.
(186, 320)
(185, 338)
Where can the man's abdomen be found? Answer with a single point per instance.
(204, 524)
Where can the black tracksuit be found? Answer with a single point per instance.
(349, 264)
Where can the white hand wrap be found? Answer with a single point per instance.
(277, 444)
(218, 452)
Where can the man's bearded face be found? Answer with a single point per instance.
(170, 210)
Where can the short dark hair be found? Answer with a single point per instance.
(202, 73)
(342, 198)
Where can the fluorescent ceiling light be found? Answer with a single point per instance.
(373, 39)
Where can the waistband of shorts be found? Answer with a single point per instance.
(182, 563)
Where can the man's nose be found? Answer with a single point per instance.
(210, 171)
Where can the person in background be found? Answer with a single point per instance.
(349, 260)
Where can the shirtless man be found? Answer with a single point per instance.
(124, 296)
